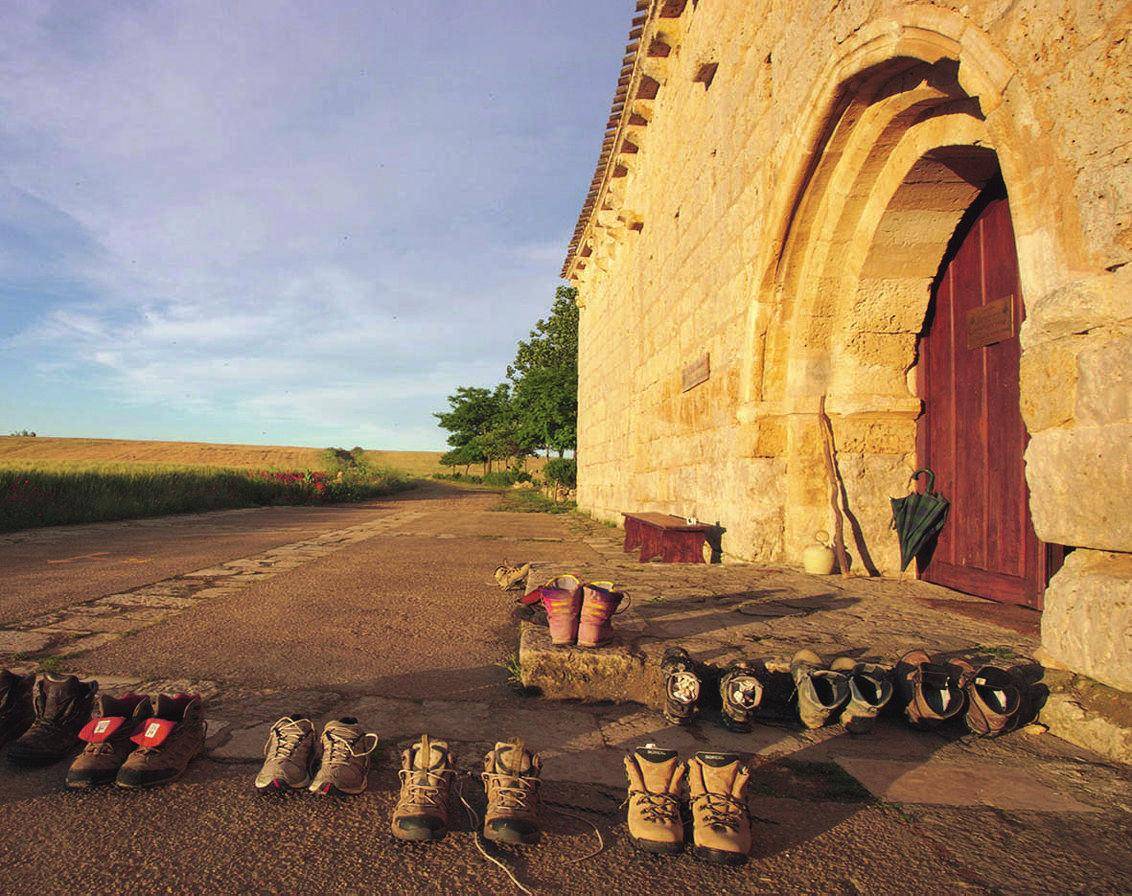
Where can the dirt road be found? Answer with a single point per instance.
(388, 612)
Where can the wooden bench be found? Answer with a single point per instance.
(670, 538)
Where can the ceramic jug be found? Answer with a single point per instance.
(817, 559)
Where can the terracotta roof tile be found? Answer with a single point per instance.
(607, 166)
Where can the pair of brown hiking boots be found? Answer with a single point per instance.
(934, 691)
(134, 742)
(717, 783)
(511, 776)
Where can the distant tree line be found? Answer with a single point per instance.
(534, 411)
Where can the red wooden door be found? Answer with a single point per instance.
(971, 434)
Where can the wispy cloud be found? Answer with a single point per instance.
(290, 221)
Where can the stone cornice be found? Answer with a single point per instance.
(655, 29)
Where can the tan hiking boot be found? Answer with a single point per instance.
(167, 743)
(427, 769)
(654, 819)
(510, 578)
(511, 779)
(870, 689)
(721, 825)
(113, 722)
(822, 693)
(287, 755)
(345, 750)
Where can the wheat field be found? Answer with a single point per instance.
(41, 451)
(24, 451)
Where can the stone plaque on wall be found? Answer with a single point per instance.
(696, 372)
(992, 323)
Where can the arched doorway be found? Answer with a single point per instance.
(902, 153)
(971, 433)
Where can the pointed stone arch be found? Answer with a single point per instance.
(911, 123)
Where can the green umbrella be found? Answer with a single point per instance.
(918, 518)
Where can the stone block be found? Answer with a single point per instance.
(1087, 621)
(954, 784)
(12, 641)
(1080, 482)
(1078, 307)
(1047, 375)
(1104, 392)
(616, 673)
(82, 645)
(1083, 724)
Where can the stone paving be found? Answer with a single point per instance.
(94, 623)
(813, 794)
(721, 612)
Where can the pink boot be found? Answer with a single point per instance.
(562, 598)
(599, 603)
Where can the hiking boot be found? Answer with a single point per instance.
(287, 755)
(511, 780)
(62, 706)
(654, 799)
(721, 825)
(599, 603)
(17, 710)
(346, 750)
(427, 769)
(511, 577)
(682, 686)
(113, 721)
(930, 691)
(562, 598)
(740, 693)
(821, 691)
(167, 743)
(870, 689)
(993, 698)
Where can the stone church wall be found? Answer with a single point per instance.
(779, 197)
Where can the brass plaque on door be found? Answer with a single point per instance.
(992, 323)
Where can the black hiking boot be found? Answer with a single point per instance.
(62, 708)
(683, 685)
(17, 711)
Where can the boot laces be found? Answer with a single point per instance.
(289, 733)
(103, 749)
(511, 791)
(661, 808)
(432, 792)
(342, 748)
(721, 809)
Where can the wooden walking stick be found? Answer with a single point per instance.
(834, 501)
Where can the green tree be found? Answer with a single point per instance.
(464, 456)
(482, 422)
(544, 375)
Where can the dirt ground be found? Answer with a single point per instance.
(388, 611)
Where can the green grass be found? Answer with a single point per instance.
(49, 494)
(529, 500)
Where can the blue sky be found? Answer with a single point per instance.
(290, 223)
